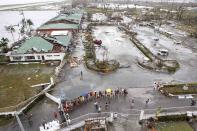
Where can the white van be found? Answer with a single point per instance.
(156, 38)
(163, 52)
(177, 42)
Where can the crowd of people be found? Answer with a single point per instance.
(94, 95)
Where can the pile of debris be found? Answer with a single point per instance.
(74, 62)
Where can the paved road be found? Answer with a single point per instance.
(137, 80)
(45, 108)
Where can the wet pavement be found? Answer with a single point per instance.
(71, 82)
(43, 111)
(137, 80)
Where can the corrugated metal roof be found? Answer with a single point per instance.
(61, 26)
(64, 40)
(59, 17)
(60, 39)
(73, 16)
(36, 42)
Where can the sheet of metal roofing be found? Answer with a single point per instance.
(58, 26)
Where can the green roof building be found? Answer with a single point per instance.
(58, 26)
(43, 44)
(72, 17)
(71, 21)
(37, 43)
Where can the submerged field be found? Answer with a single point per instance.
(174, 126)
(16, 82)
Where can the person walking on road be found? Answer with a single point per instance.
(29, 117)
(99, 109)
(106, 106)
(96, 105)
(155, 86)
(147, 101)
(43, 123)
(132, 102)
(81, 75)
(55, 115)
(193, 102)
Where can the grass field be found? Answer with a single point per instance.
(174, 126)
(4, 121)
(3, 58)
(16, 82)
(177, 89)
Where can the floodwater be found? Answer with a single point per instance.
(118, 45)
(124, 6)
(121, 6)
(121, 49)
(181, 53)
(14, 17)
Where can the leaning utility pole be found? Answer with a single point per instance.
(19, 122)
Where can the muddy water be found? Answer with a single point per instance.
(183, 54)
(122, 50)
(118, 45)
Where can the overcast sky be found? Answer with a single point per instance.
(4, 2)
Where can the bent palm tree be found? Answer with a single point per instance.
(4, 44)
(26, 24)
(11, 29)
(29, 23)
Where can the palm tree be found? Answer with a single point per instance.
(4, 44)
(21, 32)
(26, 22)
(26, 25)
(11, 29)
(23, 23)
(30, 23)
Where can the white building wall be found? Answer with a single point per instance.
(38, 57)
(54, 56)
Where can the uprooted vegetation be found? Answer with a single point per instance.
(92, 62)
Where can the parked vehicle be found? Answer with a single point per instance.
(163, 52)
(156, 39)
(177, 42)
(98, 42)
